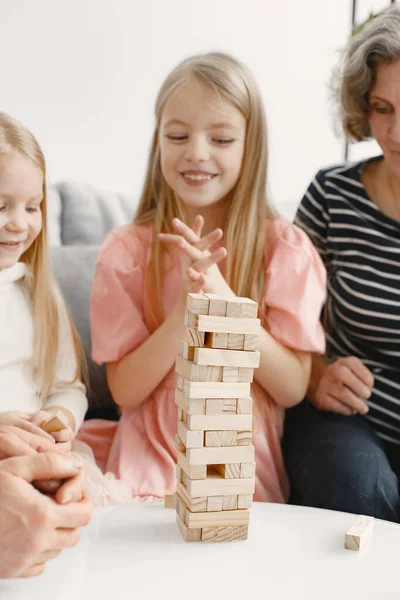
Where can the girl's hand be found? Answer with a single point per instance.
(343, 387)
(65, 436)
(23, 421)
(199, 259)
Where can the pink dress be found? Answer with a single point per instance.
(140, 447)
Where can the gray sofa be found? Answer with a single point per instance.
(79, 218)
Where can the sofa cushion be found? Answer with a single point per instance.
(88, 214)
(74, 269)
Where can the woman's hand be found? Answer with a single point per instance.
(343, 387)
(23, 421)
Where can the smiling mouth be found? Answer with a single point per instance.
(199, 176)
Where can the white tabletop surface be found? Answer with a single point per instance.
(136, 551)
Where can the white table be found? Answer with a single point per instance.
(136, 552)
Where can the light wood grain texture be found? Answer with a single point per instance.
(216, 340)
(219, 438)
(198, 504)
(217, 519)
(187, 351)
(194, 337)
(247, 470)
(214, 503)
(217, 305)
(229, 406)
(214, 406)
(230, 374)
(197, 304)
(169, 499)
(224, 422)
(244, 501)
(251, 342)
(236, 341)
(179, 445)
(191, 439)
(191, 406)
(192, 471)
(204, 389)
(189, 535)
(360, 534)
(215, 456)
(244, 438)
(219, 487)
(229, 470)
(190, 319)
(230, 503)
(193, 372)
(244, 406)
(56, 423)
(245, 375)
(227, 325)
(225, 358)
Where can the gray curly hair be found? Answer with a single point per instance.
(378, 42)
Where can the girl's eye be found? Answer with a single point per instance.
(32, 209)
(2, 208)
(223, 141)
(176, 138)
(381, 109)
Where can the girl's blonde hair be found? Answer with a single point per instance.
(247, 210)
(40, 285)
(376, 43)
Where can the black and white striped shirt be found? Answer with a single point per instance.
(360, 247)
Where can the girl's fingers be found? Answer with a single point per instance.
(180, 242)
(192, 238)
(204, 263)
(210, 239)
(198, 285)
(190, 234)
(198, 225)
(65, 435)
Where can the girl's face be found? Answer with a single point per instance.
(384, 116)
(21, 193)
(202, 140)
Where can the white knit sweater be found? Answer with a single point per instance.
(18, 390)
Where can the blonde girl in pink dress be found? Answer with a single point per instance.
(206, 178)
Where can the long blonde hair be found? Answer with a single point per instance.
(40, 285)
(248, 208)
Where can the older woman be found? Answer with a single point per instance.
(342, 447)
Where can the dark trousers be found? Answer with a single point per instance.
(340, 463)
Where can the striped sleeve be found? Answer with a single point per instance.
(313, 216)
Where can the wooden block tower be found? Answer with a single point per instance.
(216, 468)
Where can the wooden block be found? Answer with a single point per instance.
(190, 319)
(225, 358)
(217, 519)
(194, 504)
(359, 535)
(251, 342)
(219, 438)
(230, 374)
(169, 499)
(187, 351)
(224, 422)
(236, 341)
(179, 382)
(215, 456)
(244, 406)
(249, 308)
(191, 406)
(179, 445)
(192, 471)
(58, 422)
(246, 470)
(191, 439)
(245, 375)
(214, 406)
(243, 438)
(244, 501)
(229, 406)
(180, 508)
(227, 325)
(217, 305)
(234, 308)
(216, 534)
(230, 503)
(229, 470)
(192, 372)
(219, 487)
(189, 535)
(214, 503)
(216, 340)
(194, 338)
(211, 389)
(197, 304)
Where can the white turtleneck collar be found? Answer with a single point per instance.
(13, 273)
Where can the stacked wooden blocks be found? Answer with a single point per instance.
(216, 468)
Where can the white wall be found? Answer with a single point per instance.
(83, 75)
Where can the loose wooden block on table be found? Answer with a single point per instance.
(359, 535)
(169, 499)
(205, 389)
(56, 423)
(224, 358)
(227, 325)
